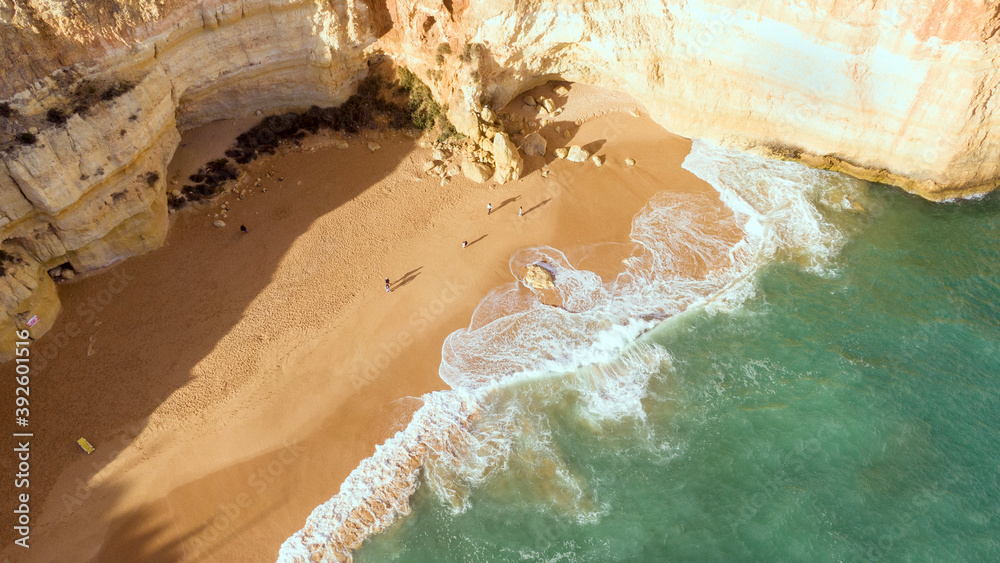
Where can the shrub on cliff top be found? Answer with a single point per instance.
(448, 130)
(442, 50)
(6, 259)
(424, 110)
(116, 90)
(55, 116)
(6, 110)
(407, 79)
(471, 51)
(374, 102)
(360, 110)
(27, 138)
(175, 201)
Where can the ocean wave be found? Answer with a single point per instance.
(778, 204)
(582, 336)
(377, 492)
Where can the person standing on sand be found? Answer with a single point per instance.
(520, 211)
(465, 243)
(387, 288)
(243, 229)
(489, 208)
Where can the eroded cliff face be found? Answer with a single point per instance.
(902, 94)
(895, 92)
(91, 191)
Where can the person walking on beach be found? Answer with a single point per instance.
(387, 288)
(465, 243)
(489, 208)
(520, 211)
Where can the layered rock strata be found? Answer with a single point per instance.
(898, 93)
(91, 191)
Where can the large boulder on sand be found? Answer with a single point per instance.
(538, 277)
(476, 171)
(577, 154)
(534, 145)
(508, 161)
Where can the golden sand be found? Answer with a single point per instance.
(230, 381)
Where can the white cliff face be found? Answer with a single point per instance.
(889, 92)
(900, 93)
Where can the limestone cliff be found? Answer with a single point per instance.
(895, 92)
(90, 191)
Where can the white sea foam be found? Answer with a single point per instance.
(378, 490)
(517, 350)
(970, 197)
(777, 202)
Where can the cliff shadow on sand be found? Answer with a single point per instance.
(132, 340)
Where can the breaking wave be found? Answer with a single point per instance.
(522, 346)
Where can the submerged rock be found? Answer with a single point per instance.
(539, 277)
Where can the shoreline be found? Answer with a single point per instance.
(254, 386)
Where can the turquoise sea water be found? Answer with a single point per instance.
(844, 415)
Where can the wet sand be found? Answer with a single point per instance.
(230, 381)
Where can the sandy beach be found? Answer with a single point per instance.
(231, 381)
